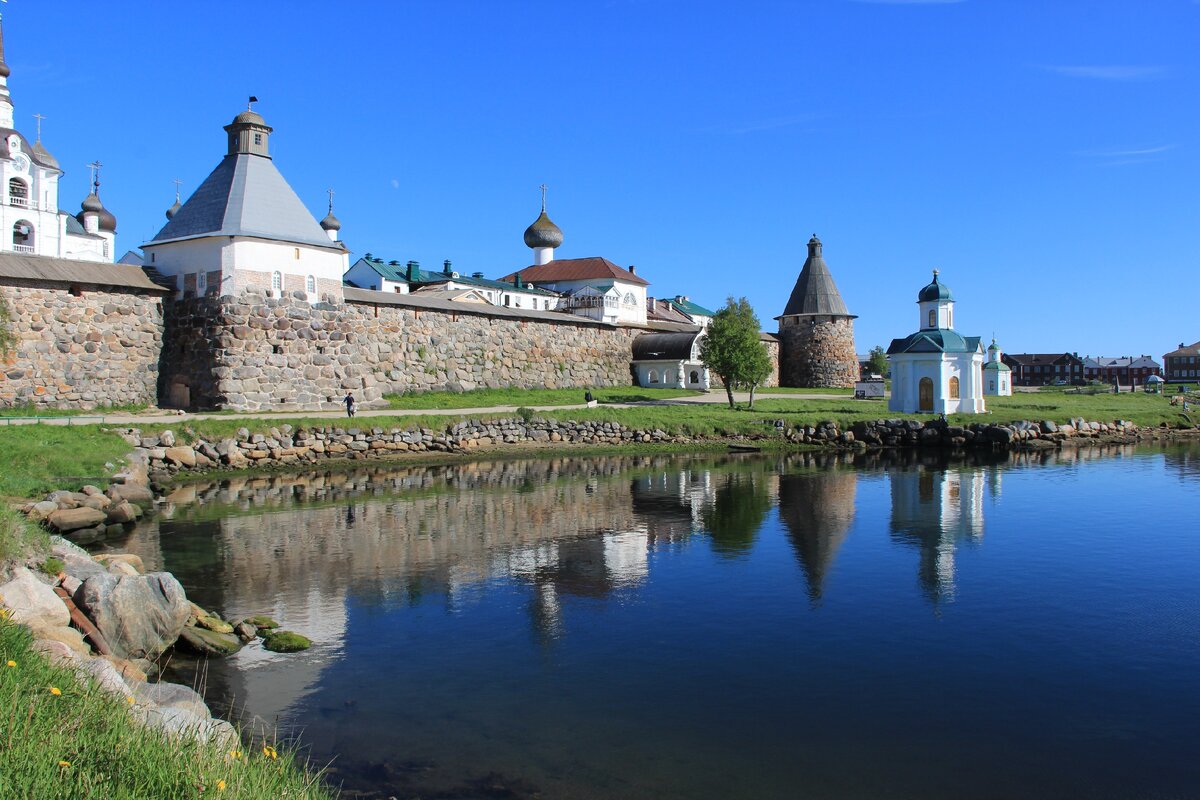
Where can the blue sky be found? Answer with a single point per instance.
(1042, 155)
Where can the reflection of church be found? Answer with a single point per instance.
(935, 510)
(817, 509)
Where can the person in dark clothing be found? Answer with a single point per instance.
(349, 401)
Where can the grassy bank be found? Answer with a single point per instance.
(64, 739)
(487, 398)
(19, 537)
(9, 412)
(41, 458)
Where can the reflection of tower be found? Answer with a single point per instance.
(934, 510)
(817, 509)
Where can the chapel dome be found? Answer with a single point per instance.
(43, 156)
(91, 203)
(935, 291)
(543, 233)
(173, 210)
(331, 223)
(249, 117)
(107, 221)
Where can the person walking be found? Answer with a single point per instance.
(349, 401)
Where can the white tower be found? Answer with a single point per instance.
(997, 376)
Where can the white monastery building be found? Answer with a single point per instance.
(245, 228)
(936, 370)
(30, 220)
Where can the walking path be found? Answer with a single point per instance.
(159, 417)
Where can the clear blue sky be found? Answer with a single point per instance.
(1042, 154)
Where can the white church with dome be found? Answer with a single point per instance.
(936, 370)
(31, 222)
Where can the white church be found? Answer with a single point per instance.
(31, 223)
(936, 370)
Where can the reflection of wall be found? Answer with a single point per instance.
(817, 509)
(935, 510)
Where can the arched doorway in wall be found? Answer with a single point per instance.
(22, 236)
(925, 395)
(694, 377)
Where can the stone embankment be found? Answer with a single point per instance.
(938, 433)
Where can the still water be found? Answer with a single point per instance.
(717, 627)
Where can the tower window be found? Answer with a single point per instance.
(258, 138)
(932, 318)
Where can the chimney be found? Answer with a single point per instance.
(476, 274)
(650, 301)
(414, 271)
(632, 269)
(446, 267)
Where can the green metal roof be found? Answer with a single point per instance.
(997, 366)
(398, 273)
(935, 291)
(688, 307)
(942, 340)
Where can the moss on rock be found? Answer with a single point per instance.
(286, 642)
(262, 622)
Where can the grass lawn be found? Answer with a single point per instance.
(484, 398)
(65, 739)
(33, 411)
(41, 458)
(792, 390)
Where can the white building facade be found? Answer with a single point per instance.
(670, 361)
(997, 376)
(936, 370)
(244, 228)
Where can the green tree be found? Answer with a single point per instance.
(733, 351)
(877, 361)
(8, 339)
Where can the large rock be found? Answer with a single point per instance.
(66, 520)
(209, 643)
(140, 616)
(182, 456)
(132, 492)
(122, 513)
(170, 695)
(68, 636)
(179, 723)
(32, 602)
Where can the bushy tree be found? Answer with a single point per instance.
(878, 362)
(732, 350)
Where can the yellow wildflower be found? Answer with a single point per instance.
(3, 613)
(64, 763)
(11, 663)
(220, 786)
(54, 690)
(269, 751)
(129, 699)
(235, 754)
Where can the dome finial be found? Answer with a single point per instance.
(935, 273)
(543, 188)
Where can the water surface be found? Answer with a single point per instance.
(718, 627)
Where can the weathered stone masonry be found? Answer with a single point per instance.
(80, 346)
(817, 351)
(254, 353)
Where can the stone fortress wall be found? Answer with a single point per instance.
(80, 347)
(252, 353)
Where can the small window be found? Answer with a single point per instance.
(297, 253)
(991, 386)
(932, 318)
(654, 376)
(258, 138)
(277, 283)
(201, 283)
(310, 285)
(954, 388)
(152, 255)
(695, 376)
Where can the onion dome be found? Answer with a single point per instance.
(543, 233)
(43, 156)
(91, 203)
(331, 223)
(173, 210)
(107, 221)
(935, 291)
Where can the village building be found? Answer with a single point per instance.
(937, 369)
(670, 361)
(694, 312)
(816, 330)
(997, 376)
(374, 273)
(245, 228)
(1124, 371)
(661, 311)
(1045, 369)
(1183, 363)
(31, 222)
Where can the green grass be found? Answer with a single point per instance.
(84, 744)
(485, 398)
(792, 390)
(37, 411)
(20, 538)
(41, 458)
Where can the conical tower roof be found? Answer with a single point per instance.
(815, 291)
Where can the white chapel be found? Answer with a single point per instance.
(30, 220)
(936, 370)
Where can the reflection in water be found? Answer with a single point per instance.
(536, 620)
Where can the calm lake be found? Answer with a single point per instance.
(717, 626)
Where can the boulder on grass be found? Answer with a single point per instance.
(32, 602)
(139, 615)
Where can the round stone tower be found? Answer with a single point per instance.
(816, 331)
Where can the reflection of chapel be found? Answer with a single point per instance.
(936, 369)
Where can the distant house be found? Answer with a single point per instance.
(1044, 369)
(662, 311)
(1126, 370)
(389, 276)
(591, 287)
(696, 313)
(1183, 364)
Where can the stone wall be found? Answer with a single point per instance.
(817, 352)
(96, 347)
(253, 353)
(773, 353)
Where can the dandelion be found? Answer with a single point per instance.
(11, 663)
(3, 613)
(64, 763)
(236, 755)
(220, 786)
(269, 751)
(129, 699)
(54, 690)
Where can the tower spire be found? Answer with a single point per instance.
(543, 188)
(39, 118)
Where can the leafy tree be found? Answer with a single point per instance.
(733, 351)
(8, 339)
(877, 361)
